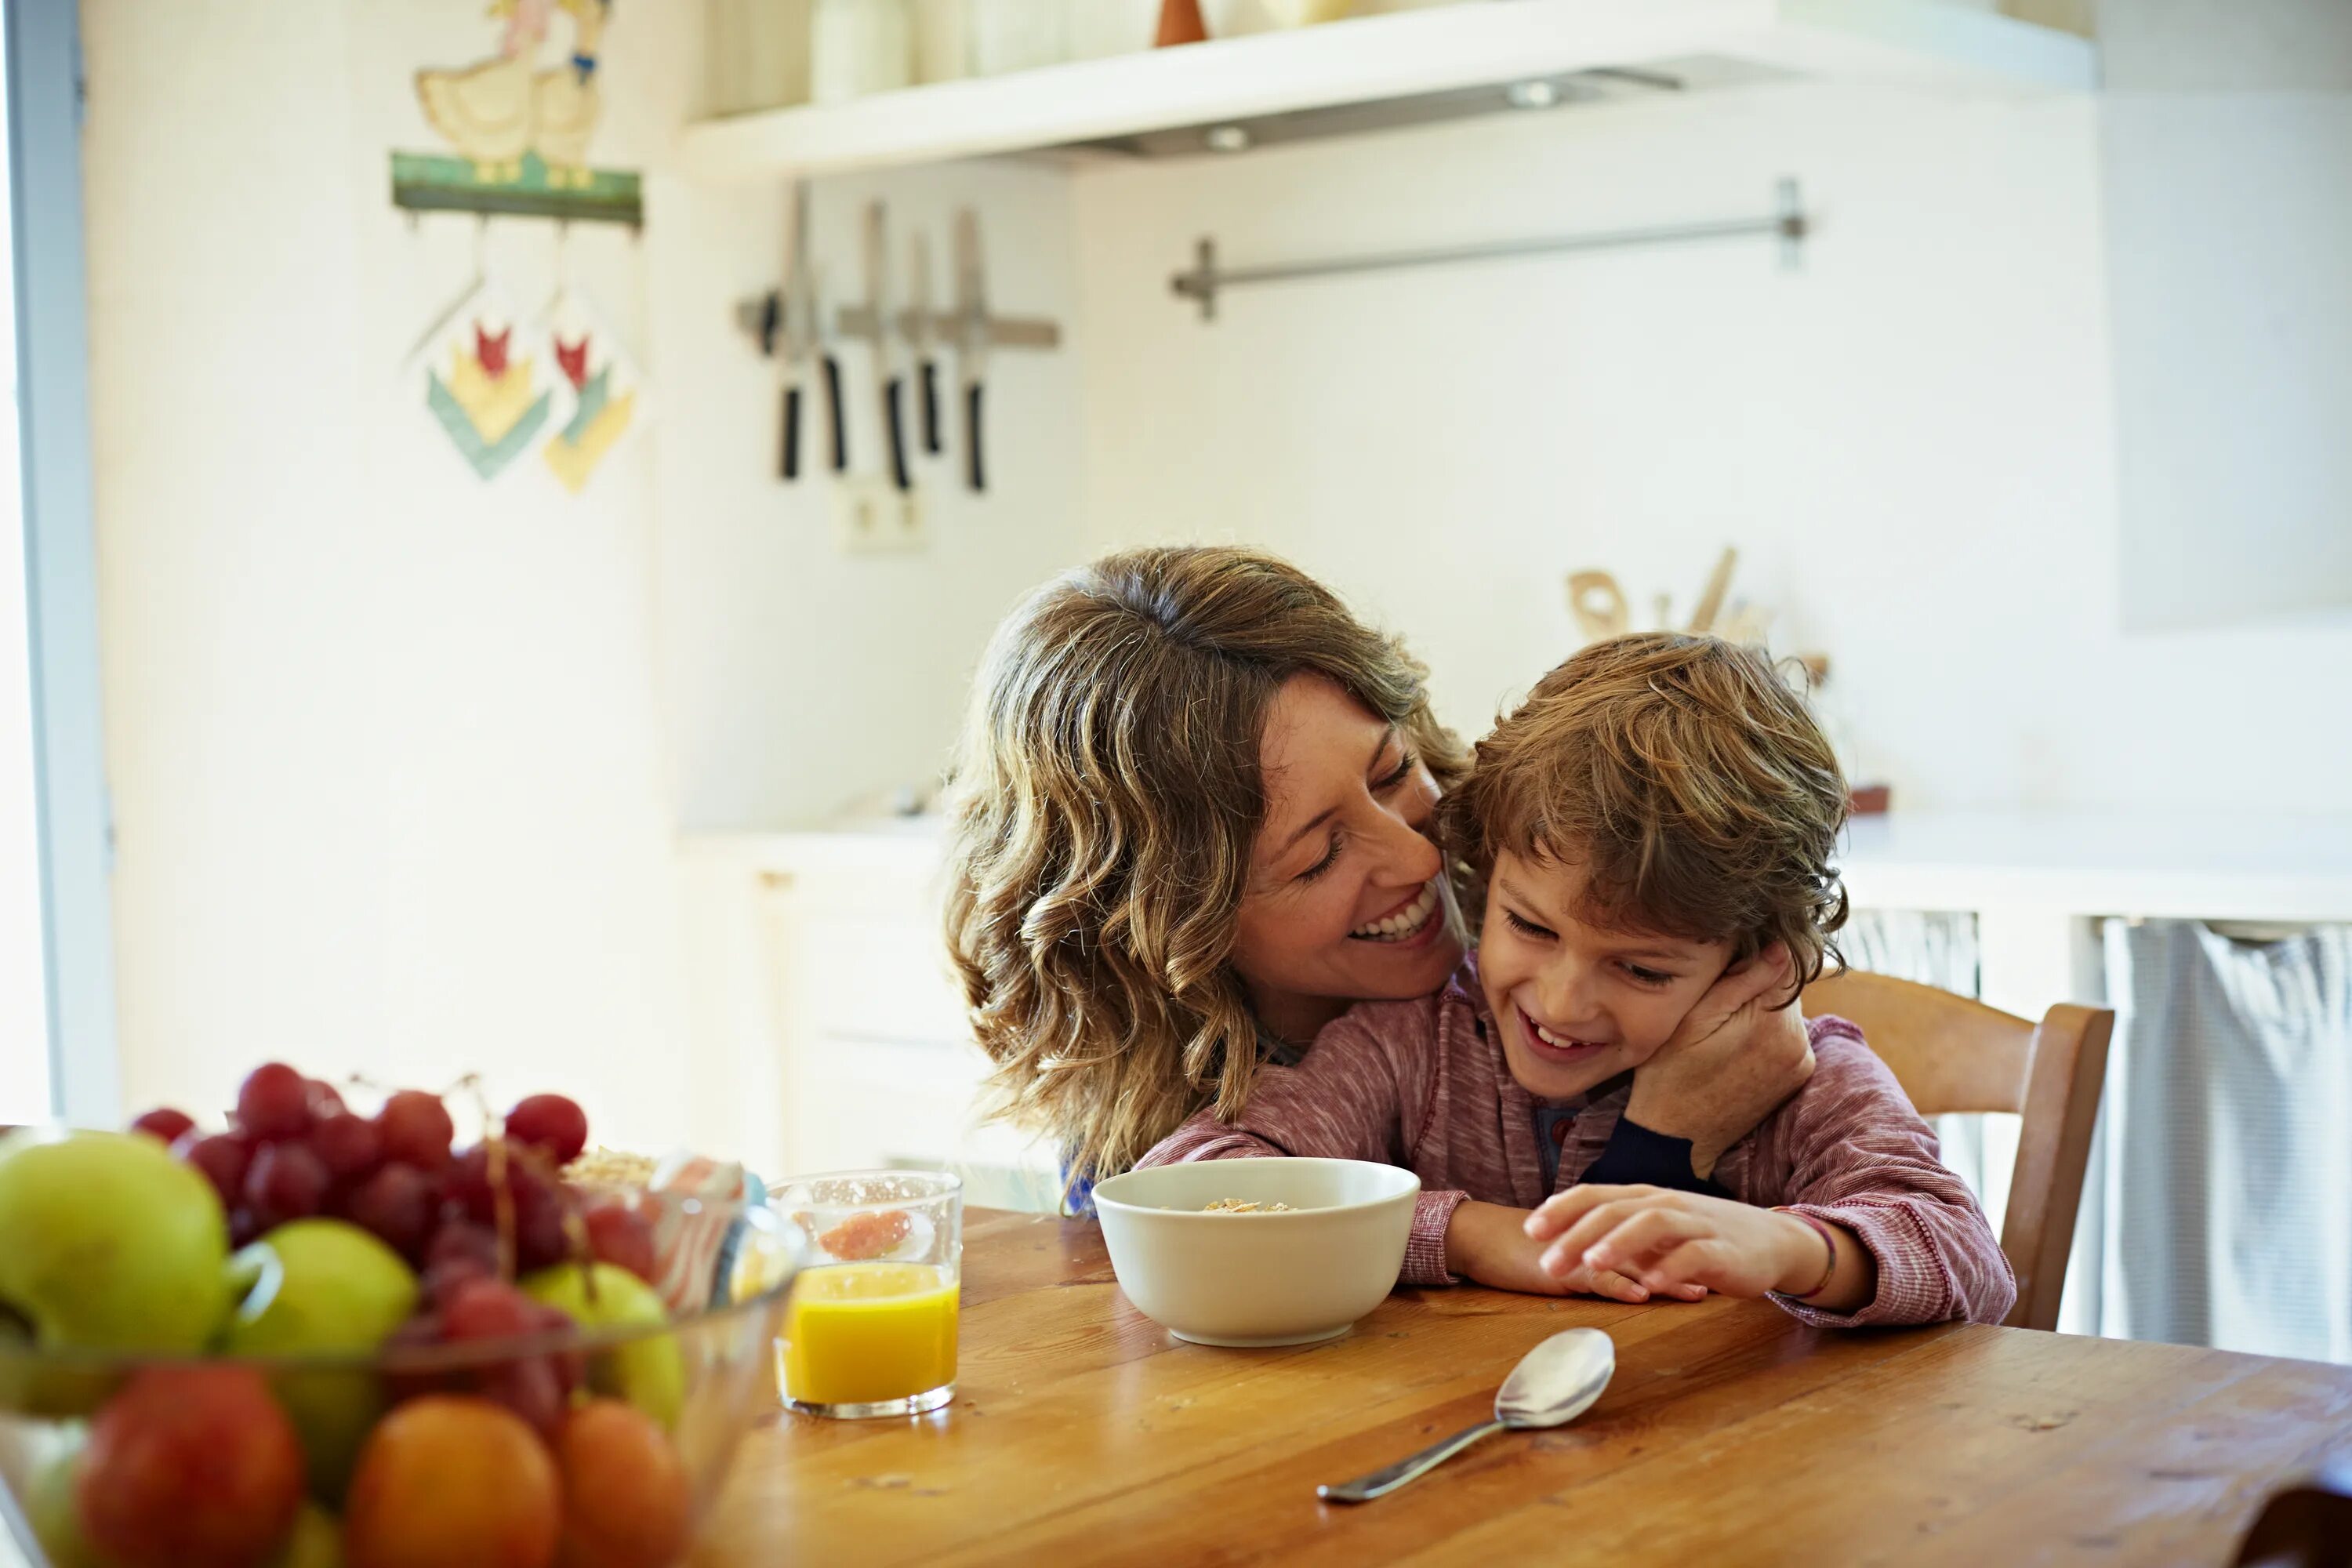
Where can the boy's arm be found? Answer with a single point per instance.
(1866, 1163)
(1346, 1101)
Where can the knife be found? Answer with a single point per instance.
(887, 379)
(971, 349)
(920, 330)
(786, 327)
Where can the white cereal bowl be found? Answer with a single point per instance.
(1252, 1279)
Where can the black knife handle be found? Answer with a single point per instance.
(833, 407)
(975, 472)
(932, 407)
(894, 406)
(792, 446)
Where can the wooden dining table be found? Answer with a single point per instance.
(1082, 1432)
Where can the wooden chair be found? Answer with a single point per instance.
(1952, 1055)
(2305, 1526)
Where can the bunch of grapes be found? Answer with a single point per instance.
(470, 1221)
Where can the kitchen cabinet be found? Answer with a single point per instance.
(830, 1032)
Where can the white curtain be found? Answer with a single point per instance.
(1938, 948)
(2219, 1208)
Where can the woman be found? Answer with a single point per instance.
(1193, 821)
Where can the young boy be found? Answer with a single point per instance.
(1661, 810)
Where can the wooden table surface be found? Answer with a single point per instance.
(1084, 1432)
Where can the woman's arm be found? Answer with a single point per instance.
(1346, 1101)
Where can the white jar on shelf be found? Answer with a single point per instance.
(942, 40)
(859, 47)
(1099, 29)
(755, 55)
(1017, 35)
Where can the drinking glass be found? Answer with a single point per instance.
(871, 1327)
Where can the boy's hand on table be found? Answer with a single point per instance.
(1668, 1241)
(1732, 1063)
(1489, 1243)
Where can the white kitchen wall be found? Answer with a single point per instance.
(798, 680)
(384, 744)
(2228, 151)
(1911, 438)
(399, 759)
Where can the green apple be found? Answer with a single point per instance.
(321, 1286)
(649, 1373)
(107, 1243)
(50, 1509)
(317, 1541)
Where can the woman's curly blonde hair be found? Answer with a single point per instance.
(1104, 800)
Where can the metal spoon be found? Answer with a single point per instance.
(1553, 1385)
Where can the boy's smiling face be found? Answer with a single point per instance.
(1579, 1003)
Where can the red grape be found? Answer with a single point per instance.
(396, 1205)
(537, 1196)
(224, 1158)
(274, 1102)
(531, 1387)
(488, 1310)
(416, 1130)
(286, 1182)
(167, 1124)
(456, 1239)
(571, 1365)
(551, 1122)
(325, 1099)
(243, 1226)
(349, 1146)
(620, 1236)
(440, 1280)
(404, 1381)
(458, 1252)
(482, 1310)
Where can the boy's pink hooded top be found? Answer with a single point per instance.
(1424, 1084)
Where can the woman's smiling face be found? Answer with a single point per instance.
(1579, 1003)
(1346, 900)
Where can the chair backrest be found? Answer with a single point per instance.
(2305, 1526)
(1951, 1054)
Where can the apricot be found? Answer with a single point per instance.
(452, 1481)
(627, 1502)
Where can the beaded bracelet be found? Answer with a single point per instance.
(1828, 1239)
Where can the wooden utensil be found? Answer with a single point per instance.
(1710, 599)
(1598, 604)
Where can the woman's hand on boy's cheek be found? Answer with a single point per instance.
(1733, 1061)
(1489, 1243)
(1670, 1241)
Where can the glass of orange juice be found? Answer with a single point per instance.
(871, 1327)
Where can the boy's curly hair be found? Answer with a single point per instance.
(1687, 777)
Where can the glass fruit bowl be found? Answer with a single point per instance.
(605, 1441)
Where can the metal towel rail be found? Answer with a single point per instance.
(1208, 277)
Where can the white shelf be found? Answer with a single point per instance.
(1414, 54)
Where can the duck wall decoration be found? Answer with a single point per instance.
(517, 124)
